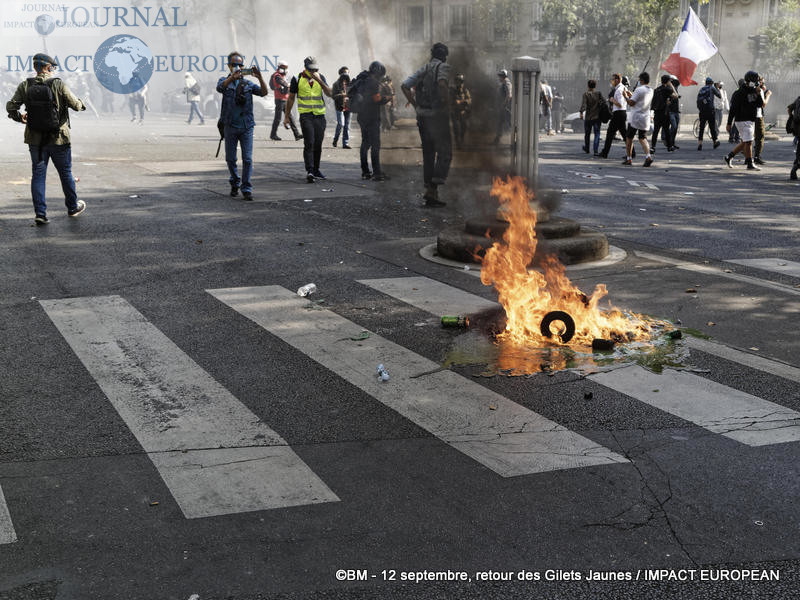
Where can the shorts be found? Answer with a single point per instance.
(747, 130)
(640, 133)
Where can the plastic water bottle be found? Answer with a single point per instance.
(383, 374)
(307, 289)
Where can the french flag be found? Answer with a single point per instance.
(693, 47)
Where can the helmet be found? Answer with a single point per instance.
(283, 64)
(625, 81)
(503, 73)
(460, 78)
(376, 68)
(709, 81)
(310, 63)
(751, 77)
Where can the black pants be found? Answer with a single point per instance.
(758, 138)
(459, 128)
(616, 124)
(313, 128)
(796, 164)
(280, 106)
(437, 147)
(370, 143)
(711, 119)
(660, 123)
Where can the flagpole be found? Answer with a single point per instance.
(726, 66)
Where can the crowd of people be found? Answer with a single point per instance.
(443, 105)
(634, 112)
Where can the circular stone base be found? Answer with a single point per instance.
(554, 227)
(457, 244)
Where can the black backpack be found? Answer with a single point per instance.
(705, 99)
(355, 93)
(195, 89)
(40, 104)
(427, 89)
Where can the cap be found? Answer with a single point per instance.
(43, 59)
(283, 63)
(310, 63)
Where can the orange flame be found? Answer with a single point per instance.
(528, 295)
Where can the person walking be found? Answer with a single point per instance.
(280, 89)
(618, 113)
(745, 103)
(720, 103)
(427, 91)
(794, 113)
(47, 101)
(705, 106)
(590, 113)
(758, 136)
(673, 115)
(340, 101)
(369, 120)
(659, 108)
(558, 111)
(388, 113)
(308, 88)
(546, 107)
(503, 106)
(138, 100)
(238, 121)
(639, 119)
(460, 108)
(192, 90)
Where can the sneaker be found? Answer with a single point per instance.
(585, 149)
(345, 147)
(437, 181)
(676, 147)
(334, 143)
(647, 162)
(298, 137)
(366, 175)
(627, 162)
(78, 209)
(716, 144)
(752, 167)
(434, 204)
(380, 177)
(699, 147)
(653, 150)
(431, 194)
(728, 158)
(318, 174)
(41, 220)
(247, 195)
(792, 177)
(275, 138)
(758, 161)
(310, 177)
(234, 191)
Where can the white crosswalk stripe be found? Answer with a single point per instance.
(213, 453)
(498, 433)
(7, 533)
(721, 409)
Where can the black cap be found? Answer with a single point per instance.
(42, 59)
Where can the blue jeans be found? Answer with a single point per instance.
(674, 123)
(62, 159)
(193, 108)
(342, 126)
(591, 126)
(244, 137)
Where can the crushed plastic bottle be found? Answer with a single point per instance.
(307, 289)
(383, 374)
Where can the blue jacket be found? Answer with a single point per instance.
(229, 101)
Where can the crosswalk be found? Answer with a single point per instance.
(218, 458)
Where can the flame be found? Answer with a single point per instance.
(528, 295)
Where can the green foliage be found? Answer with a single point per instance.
(783, 44)
(612, 35)
(501, 15)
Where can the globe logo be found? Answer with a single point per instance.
(123, 64)
(44, 24)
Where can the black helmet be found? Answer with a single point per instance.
(751, 77)
(376, 68)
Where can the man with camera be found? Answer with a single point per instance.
(238, 120)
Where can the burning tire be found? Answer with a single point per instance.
(558, 315)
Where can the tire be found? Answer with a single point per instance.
(558, 315)
(696, 129)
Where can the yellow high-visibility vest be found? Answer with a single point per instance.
(309, 98)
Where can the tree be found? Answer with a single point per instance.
(782, 44)
(612, 35)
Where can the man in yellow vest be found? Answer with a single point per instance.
(308, 89)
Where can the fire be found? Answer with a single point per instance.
(528, 295)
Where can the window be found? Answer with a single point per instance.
(702, 10)
(536, 15)
(458, 22)
(503, 24)
(415, 24)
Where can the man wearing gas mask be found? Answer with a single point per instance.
(238, 120)
(745, 103)
(280, 87)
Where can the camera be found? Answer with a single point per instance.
(247, 71)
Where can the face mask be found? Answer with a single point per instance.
(282, 71)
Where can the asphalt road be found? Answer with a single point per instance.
(176, 423)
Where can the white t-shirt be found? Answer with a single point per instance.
(623, 105)
(639, 113)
